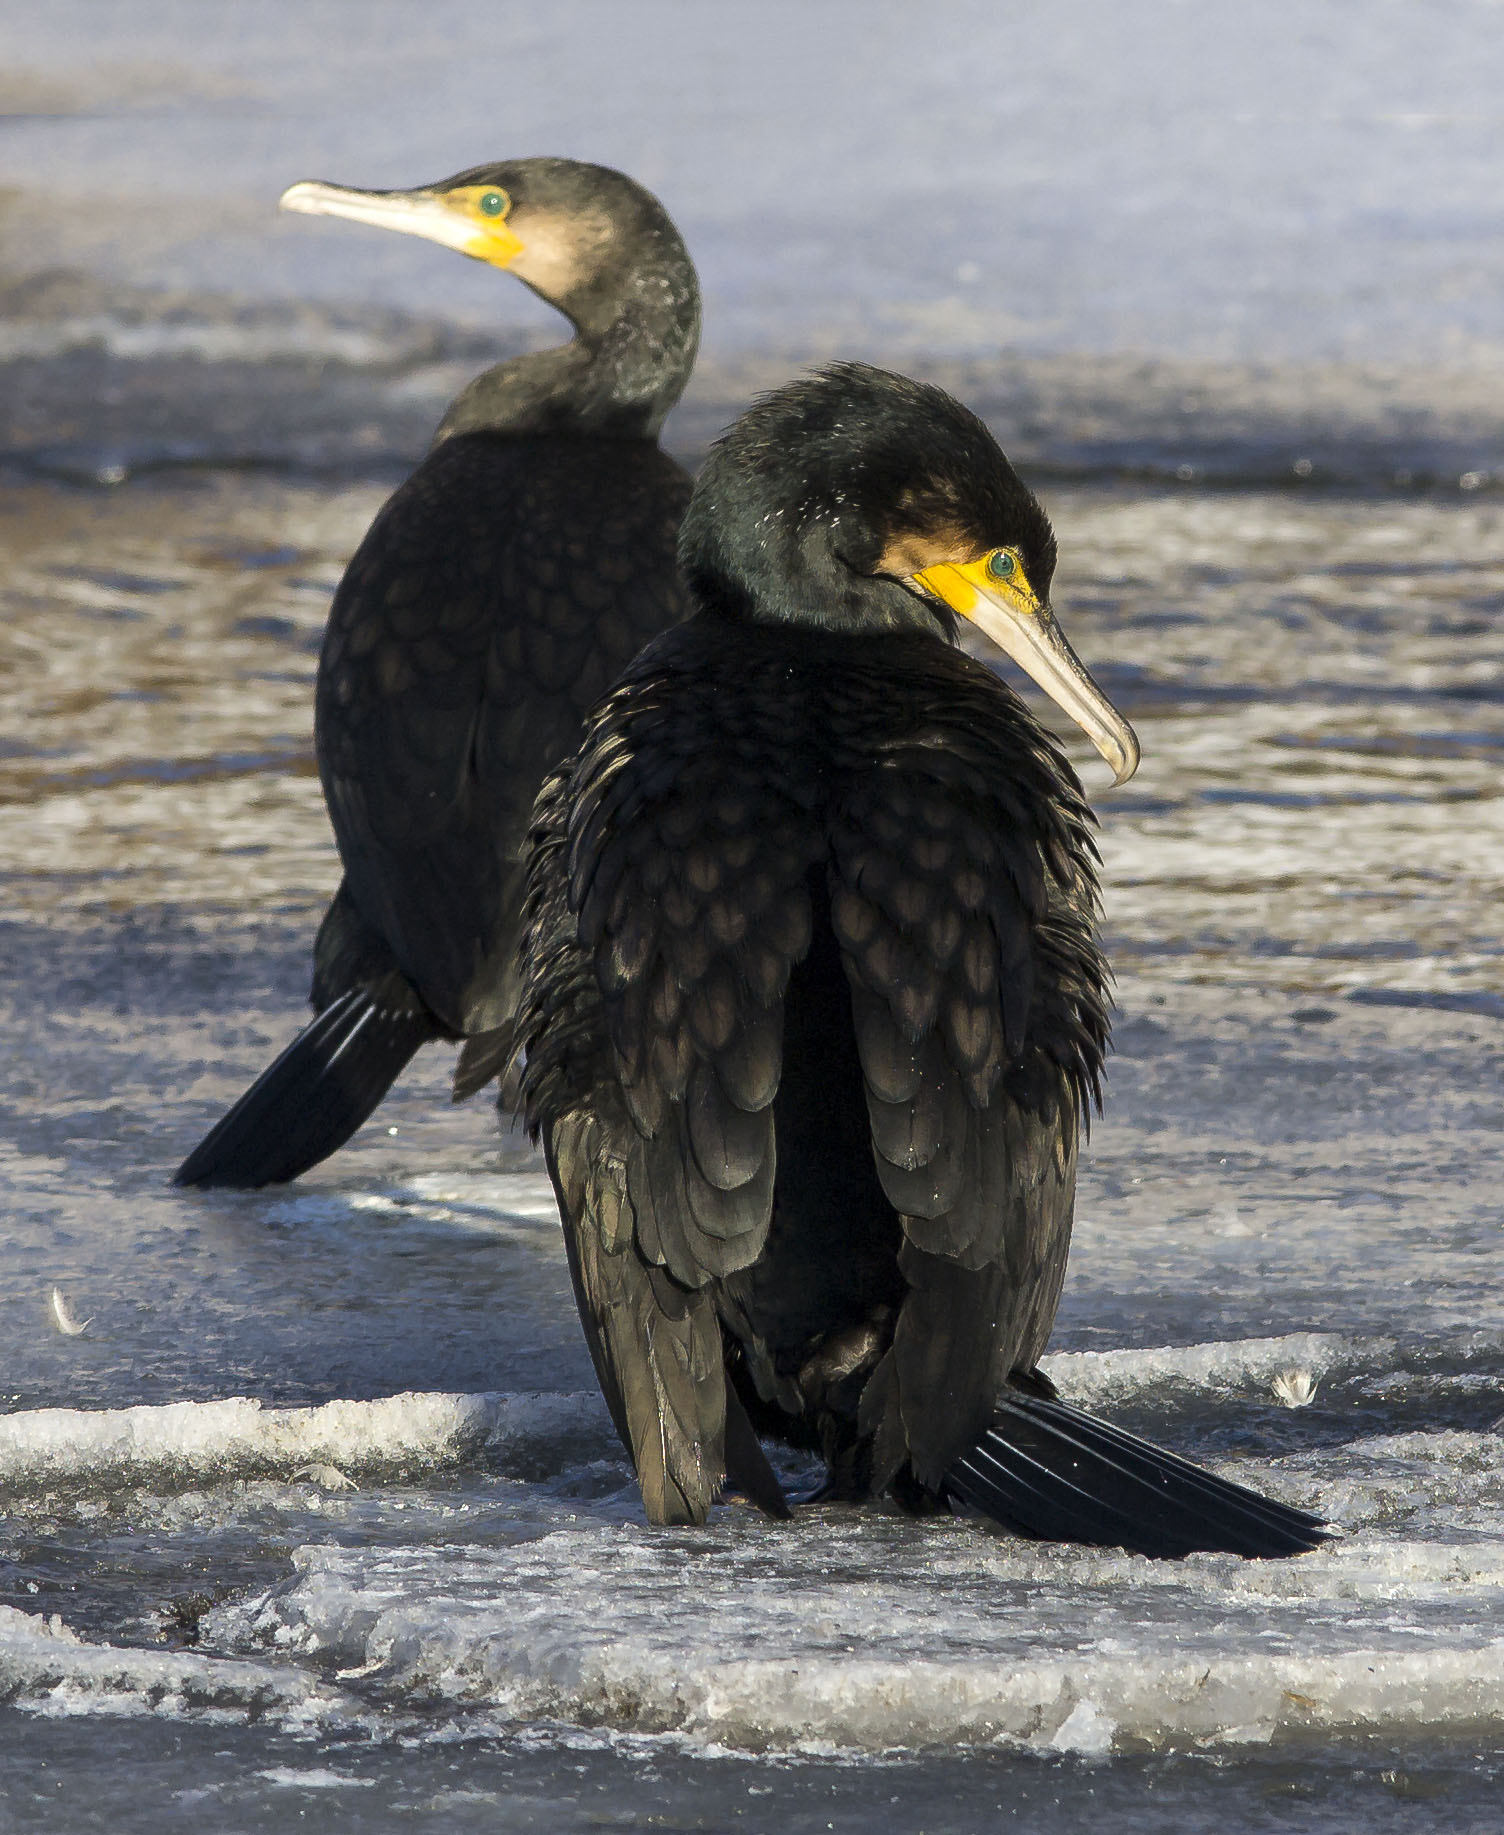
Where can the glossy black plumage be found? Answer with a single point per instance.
(498, 594)
(815, 1008)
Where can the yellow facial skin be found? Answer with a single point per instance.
(491, 240)
(999, 572)
(994, 593)
(457, 219)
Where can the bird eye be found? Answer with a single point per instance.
(493, 203)
(1001, 564)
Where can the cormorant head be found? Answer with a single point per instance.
(860, 501)
(587, 239)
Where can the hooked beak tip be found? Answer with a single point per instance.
(301, 197)
(1123, 756)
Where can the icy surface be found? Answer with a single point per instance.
(1296, 179)
(319, 1522)
(865, 1636)
(1259, 242)
(50, 1670)
(326, 1477)
(189, 1442)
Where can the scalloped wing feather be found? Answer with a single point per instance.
(466, 641)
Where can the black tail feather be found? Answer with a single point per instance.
(747, 1467)
(1220, 1494)
(485, 1055)
(317, 1093)
(1055, 1473)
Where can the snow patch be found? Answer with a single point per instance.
(188, 1442)
(1089, 1377)
(1086, 1730)
(862, 1634)
(287, 1777)
(47, 1668)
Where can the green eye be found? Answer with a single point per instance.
(493, 203)
(1001, 564)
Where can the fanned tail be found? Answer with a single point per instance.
(1050, 1471)
(317, 1093)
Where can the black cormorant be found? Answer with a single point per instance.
(498, 594)
(814, 1005)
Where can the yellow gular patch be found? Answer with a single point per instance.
(490, 239)
(998, 576)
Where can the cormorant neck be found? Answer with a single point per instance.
(627, 365)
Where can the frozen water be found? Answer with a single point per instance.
(321, 1519)
(864, 1634)
(1298, 1169)
(54, 1448)
(1291, 180)
(46, 1666)
(1263, 242)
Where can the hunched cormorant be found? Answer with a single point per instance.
(497, 595)
(814, 1007)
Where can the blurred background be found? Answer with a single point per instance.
(1157, 196)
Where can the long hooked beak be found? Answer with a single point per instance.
(438, 216)
(1018, 621)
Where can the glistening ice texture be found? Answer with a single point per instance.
(1298, 1172)
(320, 1523)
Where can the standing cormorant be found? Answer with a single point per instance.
(814, 1005)
(498, 594)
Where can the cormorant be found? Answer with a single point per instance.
(814, 1006)
(497, 595)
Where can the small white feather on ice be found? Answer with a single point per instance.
(1294, 1388)
(63, 1319)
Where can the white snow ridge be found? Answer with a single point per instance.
(48, 1669)
(867, 1633)
(855, 1630)
(189, 1442)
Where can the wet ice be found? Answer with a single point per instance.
(1262, 1196)
(1299, 1167)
